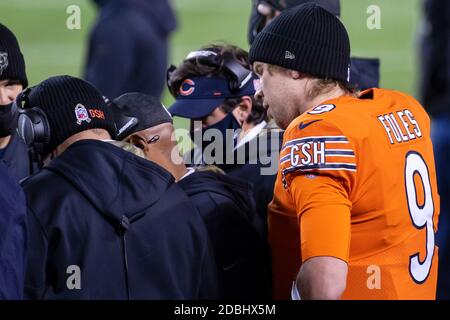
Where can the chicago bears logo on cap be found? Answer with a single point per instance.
(3, 62)
(187, 87)
(81, 114)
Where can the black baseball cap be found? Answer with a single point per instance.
(136, 111)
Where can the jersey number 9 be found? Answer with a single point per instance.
(421, 214)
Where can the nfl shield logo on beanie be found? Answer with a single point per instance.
(81, 114)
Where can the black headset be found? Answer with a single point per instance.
(237, 75)
(32, 124)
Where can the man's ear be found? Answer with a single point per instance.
(138, 141)
(243, 109)
(295, 74)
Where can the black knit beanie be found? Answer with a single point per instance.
(306, 38)
(12, 64)
(71, 105)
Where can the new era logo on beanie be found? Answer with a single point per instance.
(12, 64)
(289, 55)
(308, 39)
(71, 105)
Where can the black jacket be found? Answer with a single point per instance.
(227, 207)
(12, 236)
(256, 162)
(16, 157)
(258, 167)
(121, 223)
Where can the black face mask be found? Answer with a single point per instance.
(8, 121)
(229, 122)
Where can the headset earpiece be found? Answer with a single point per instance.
(239, 75)
(33, 126)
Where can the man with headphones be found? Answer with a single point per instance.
(214, 88)
(100, 219)
(13, 80)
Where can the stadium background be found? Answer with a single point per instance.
(51, 49)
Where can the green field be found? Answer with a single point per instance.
(50, 48)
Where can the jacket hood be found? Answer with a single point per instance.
(115, 181)
(238, 190)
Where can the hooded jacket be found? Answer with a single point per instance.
(12, 236)
(106, 224)
(227, 207)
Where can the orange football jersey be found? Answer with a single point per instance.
(357, 182)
